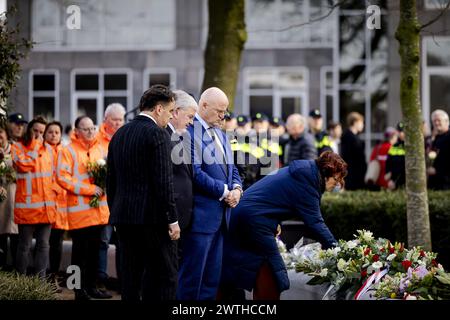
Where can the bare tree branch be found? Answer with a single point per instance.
(332, 8)
(441, 13)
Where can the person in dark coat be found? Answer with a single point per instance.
(301, 145)
(141, 200)
(439, 172)
(251, 256)
(352, 151)
(183, 116)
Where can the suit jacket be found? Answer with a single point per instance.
(210, 176)
(139, 183)
(182, 179)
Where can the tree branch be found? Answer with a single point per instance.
(336, 5)
(437, 17)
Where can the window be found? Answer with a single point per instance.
(327, 105)
(165, 76)
(275, 91)
(288, 23)
(44, 94)
(435, 4)
(105, 25)
(94, 90)
(435, 75)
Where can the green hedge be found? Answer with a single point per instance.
(14, 286)
(384, 213)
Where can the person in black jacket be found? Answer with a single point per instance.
(439, 172)
(183, 116)
(141, 200)
(301, 144)
(352, 149)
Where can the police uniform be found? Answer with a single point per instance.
(322, 140)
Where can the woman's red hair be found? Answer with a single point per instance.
(332, 165)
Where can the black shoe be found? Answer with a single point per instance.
(81, 295)
(99, 294)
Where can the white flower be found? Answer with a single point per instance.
(324, 272)
(377, 265)
(411, 297)
(391, 257)
(367, 236)
(101, 162)
(2, 165)
(351, 244)
(341, 264)
(432, 155)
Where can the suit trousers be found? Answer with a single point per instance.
(149, 263)
(201, 266)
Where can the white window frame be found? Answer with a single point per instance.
(43, 94)
(149, 71)
(100, 94)
(324, 92)
(432, 5)
(277, 94)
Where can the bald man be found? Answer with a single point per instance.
(217, 189)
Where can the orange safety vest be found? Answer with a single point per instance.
(35, 201)
(61, 221)
(72, 175)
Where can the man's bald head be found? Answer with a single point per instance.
(213, 105)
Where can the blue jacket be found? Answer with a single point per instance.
(209, 176)
(293, 192)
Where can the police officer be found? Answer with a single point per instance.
(322, 140)
(395, 163)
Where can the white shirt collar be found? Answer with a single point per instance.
(148, 116)
(172, 127)
(203, 122)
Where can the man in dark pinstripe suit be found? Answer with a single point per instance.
(141, 200)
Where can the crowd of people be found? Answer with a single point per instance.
(190, 192)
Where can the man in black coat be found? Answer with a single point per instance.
(301, 144)
(439, 173)
(141, 200)
(183, 116)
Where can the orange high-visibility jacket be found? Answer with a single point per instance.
(35, 199)
(72, 175)
(61, 221)
(103, 137)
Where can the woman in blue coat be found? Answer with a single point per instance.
(251, 257)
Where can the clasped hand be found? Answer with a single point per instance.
(233, 198)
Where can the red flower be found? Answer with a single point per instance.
(367, 251)
(363, 273)
(434, 263)
(422, 253)
(406, 264)
(382, 250)
(375, 257)
(391, 249)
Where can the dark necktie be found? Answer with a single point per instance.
(219, 154)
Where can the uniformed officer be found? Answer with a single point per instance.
(322, 140)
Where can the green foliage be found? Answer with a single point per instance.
(12, 50)
(14, 286)
(384, 213)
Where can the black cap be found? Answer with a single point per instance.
(315, 113)
(400, 126)
(17, 118)
(259, 116)
(276, 121)
(229, 116)
(242, 120)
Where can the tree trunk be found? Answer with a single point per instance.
(226, 39)
(416, 186)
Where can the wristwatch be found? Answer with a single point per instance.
(240, 189)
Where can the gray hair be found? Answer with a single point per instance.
(295, 118)
(184, 100)
(439, 113)
(114, 108)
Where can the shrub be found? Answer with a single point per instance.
(14, 286)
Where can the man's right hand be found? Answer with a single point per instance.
(174, 231)
(98, 191)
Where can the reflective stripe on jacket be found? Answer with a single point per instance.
(61, 221)
(34, 201)
(72, 175)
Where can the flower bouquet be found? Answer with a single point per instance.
(7, 174)
(97, 172)
(376, 266)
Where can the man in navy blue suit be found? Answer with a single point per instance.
(217, 189)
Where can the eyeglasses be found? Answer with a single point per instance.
(92, 129)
